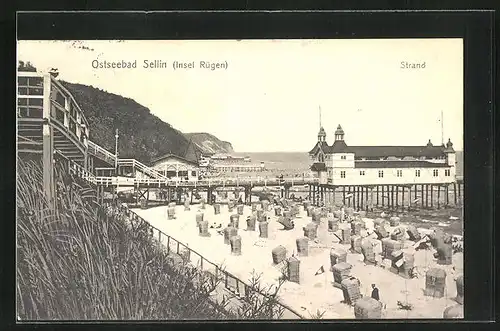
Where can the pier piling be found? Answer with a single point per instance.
(455, 192)
(383, 196)
(392, 196)
(438, 196)
(403, 192)
(426, 196)
(432, 196)
(447, 195)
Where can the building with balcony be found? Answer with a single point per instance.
(342, 164)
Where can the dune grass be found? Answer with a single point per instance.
(75, 261)
(78, 260)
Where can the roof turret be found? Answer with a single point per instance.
(339, 134)
(339, 130)
(322, 131)
(449, 147)
(321, 135)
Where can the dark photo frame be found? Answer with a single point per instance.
(475, 27)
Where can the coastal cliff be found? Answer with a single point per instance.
(143, 136)
(209, 144)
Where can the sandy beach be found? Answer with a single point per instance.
(315, 292)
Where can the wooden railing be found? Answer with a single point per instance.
(79, 171)
(122, 181)
(231, 282)
(101, 153)
(142, 168)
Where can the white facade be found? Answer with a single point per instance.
(388, 176)
(238, 167)
(175, 167)
(341, 164)
(340, 160)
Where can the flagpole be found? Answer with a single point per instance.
(442, 130)
(320, 117)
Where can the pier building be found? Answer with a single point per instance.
(342, 164)
(175, 167)
(226, 167)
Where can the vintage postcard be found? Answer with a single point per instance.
(240, 179)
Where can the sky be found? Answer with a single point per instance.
(270, 95)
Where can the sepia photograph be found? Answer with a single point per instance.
(266, 179)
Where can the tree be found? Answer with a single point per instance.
(25, 66)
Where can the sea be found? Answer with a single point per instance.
(298, 162)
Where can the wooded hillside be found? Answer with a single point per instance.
(143, 136)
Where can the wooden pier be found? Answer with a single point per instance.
(395, 197)
(57, 126)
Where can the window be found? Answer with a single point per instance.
(342, 157)
(72, 126)
(30, 107)
(447, 172)
(22, 81)
(30, 85)
(59, 98)
(193, 173)
(35, 102)
(22, 112)
(381, 173)
(435, 172)
(361, 172)
(417, 173)
(342, 174)
(73, 112)
(35, 81)
(321, 158)
(399, 173)
(59, 115)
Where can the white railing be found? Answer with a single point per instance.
(123, 181)
(101, 153)
(141, 167)
(82, 173)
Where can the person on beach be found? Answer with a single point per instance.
(375, 294)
